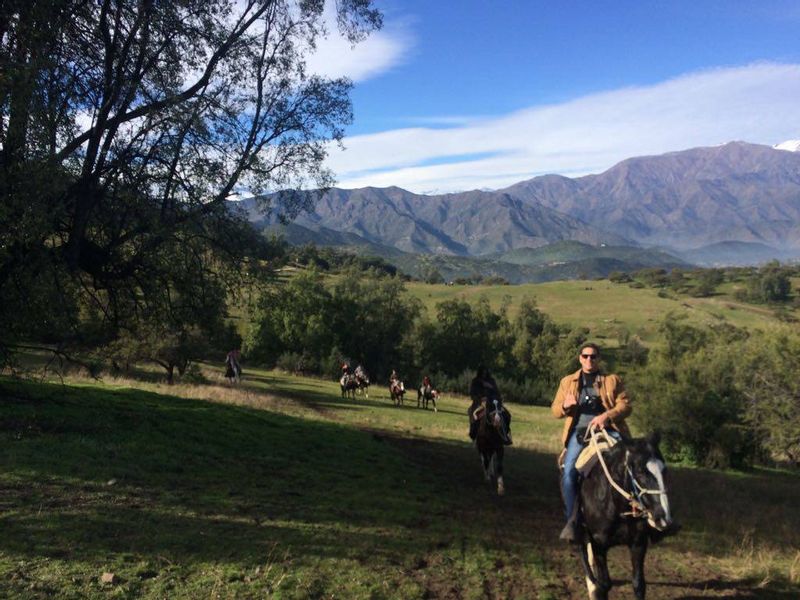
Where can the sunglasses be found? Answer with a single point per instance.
(589, 356)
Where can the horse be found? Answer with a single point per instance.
(396, 391)
(623, 501)
(427, 394)
(489, 441)
(362, 385)
(348, 384)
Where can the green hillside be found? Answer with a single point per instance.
(605, 307)
(283, 489)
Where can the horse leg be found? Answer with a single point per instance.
(638, 551)
(486, 463)
(594, 576)
(603, 579)
(498, 465)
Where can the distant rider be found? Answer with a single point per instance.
(483, 390)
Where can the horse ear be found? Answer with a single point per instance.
(654, 438)
(626, 439)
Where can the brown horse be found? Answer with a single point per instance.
(489, 442)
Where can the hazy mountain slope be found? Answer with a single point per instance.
(469, 223)
(568, 251)
(739, 191)
(734, 253)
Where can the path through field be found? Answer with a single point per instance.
(528, 518)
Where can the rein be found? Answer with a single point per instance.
(635, 500)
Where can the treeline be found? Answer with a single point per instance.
(722, 396)
(767, 284)
(305, 324)
(331, 259)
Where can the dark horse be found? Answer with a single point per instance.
(427, 394)
(396, 391)
(623, 501)
(348, 384)
(489, 441)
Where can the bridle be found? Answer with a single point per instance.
(638, 508)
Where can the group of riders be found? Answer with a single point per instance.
(587, 400)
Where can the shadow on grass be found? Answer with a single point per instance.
(93, 471)
(88, 473)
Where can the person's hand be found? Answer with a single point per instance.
(599, 422)
(570, 400)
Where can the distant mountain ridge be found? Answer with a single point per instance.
(735, 192)
(679, 202)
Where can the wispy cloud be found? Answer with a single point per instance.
(382, 50)
(755, 103)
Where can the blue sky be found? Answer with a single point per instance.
(478, 95)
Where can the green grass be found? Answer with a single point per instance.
(605, 307)
(283, 489)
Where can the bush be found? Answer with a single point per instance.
(194, 375)
(299, 364)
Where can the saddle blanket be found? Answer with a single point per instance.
(588, 458)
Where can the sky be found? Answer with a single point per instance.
(477, 94)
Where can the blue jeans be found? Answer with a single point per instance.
(570, 478)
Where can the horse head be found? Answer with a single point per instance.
(646, 473)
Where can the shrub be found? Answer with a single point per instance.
(297, 363)
(194, 375)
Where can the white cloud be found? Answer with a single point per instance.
(755, 103)
(382, 50)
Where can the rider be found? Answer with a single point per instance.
(587, 399)
(483, 389)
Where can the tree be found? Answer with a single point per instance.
(125, 127)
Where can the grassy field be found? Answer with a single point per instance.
(605, 307)
(281, 488)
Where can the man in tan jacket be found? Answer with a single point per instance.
(586, 399)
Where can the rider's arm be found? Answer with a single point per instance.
(621, 402)
(557, 407)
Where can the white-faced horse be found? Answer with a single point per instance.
(623, 501)
(396, 391)
(348, 384)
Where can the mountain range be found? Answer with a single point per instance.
(737, 203)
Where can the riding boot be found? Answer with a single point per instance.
(473, 430)
(570, 531)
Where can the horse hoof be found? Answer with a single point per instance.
(501, 491)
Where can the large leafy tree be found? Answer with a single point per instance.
(126, 125)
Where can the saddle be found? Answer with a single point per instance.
(588, 458)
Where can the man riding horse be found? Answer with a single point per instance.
(396, 388)
(426, 393)
(484, 392)
(586, 399)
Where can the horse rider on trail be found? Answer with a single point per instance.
(483, 390)
(586, 399)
